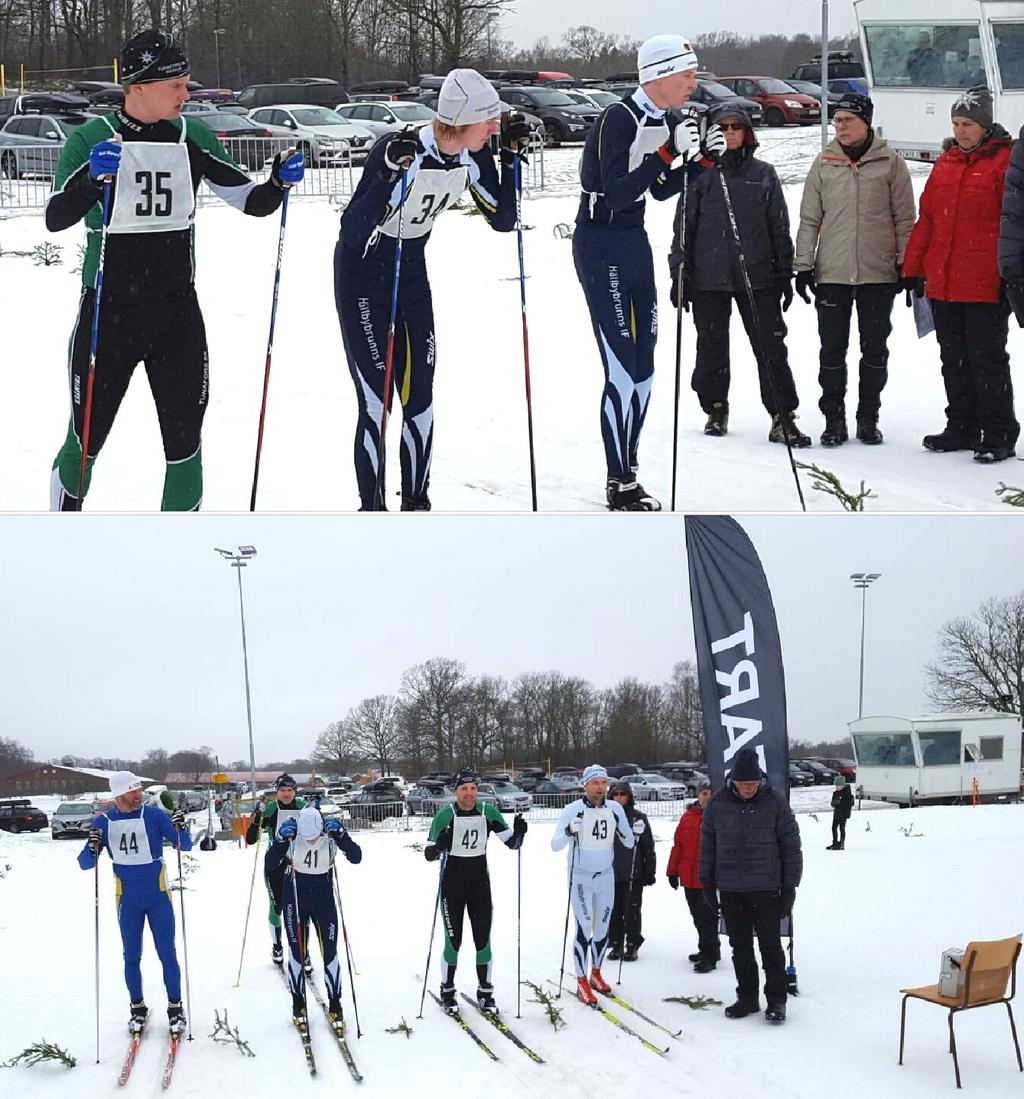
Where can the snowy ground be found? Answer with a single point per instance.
(480, 453)
(871, 919)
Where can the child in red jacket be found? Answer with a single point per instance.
(682, 867)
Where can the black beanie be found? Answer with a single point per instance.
(150, 56)
(466, 774)
(746, 767)
(975, 104)
(860, 105)
(285, 780)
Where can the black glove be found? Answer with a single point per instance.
(95, 841)
(785, 285)
(914, 288)
(680, 292)
(400, 150)
(515, 130)
(648, 881)
(444, 839)
(673, 881)
(1014, 289)
(787, 895)
(178, 819)
(519, 825)
(257, 813)
(710, 898)
(804, 283)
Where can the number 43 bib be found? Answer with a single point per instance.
(154, 188)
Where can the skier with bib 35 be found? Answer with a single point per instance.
(133, 835)
(154, 160)
(591, 824)
(460, 831)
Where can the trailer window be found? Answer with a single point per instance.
(1010, 53)
(884, 750)
(923, 55)
(991, 747)
(940, 748)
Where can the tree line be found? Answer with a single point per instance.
(257, 41)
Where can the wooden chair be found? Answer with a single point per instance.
(988, 967)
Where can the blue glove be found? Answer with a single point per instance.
(289, 171)
(104, 159)
(332, 826)
(289, 830)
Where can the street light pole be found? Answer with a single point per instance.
(863, 580)
(239, 561)
(216, 38)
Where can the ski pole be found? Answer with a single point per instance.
(433, 927)
(248, 907)
(568, 905)
(519, 931)
(270, 347)
(297, 923)
(348, 949)
(629, 903)
(526, 334)
(184, 937)
(94, 338)
(96, 901)
(679, 334)
(389, 353)
(756, 332)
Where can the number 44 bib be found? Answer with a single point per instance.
(154, 188)
(129, 843)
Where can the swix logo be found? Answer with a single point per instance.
(737, 673)
(430, 349)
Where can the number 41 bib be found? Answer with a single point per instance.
(154, 188)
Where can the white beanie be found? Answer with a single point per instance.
(466, 97)
(663, 55)
(123, 781)
(310, 824)
(595, 770)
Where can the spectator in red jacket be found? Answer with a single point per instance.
(952, 252)
(682, 867)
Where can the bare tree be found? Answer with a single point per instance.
(192, 761)
(14, 757)
(435, 692)
(336, 750)
(981, 659)
(373, 726)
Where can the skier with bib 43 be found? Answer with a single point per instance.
(591, 824)
(133, 836)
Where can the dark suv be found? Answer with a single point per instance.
(839, 63)
(20, 815)
(563, 120)
(320, 94)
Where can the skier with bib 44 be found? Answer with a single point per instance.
(460, 832)
(133, 836)
(591, 824)
(153, 159)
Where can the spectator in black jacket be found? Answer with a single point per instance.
(842, 807)
(631, 875)
(710, 278)
(750, 851)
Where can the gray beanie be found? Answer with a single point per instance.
(975, 104)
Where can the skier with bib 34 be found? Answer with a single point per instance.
(133, 836)
(153, 159)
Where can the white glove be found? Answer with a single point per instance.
(686, 136)
(639, 828)
(574, 826)
(714, 141)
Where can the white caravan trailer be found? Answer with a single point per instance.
(920, 54)
(936, 758)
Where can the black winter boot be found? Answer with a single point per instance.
(718, 419)
(950, 439)
(615, 952)
(989, 452)
(835, 433)
(783, 426)
(741, 1009)
(867, 431)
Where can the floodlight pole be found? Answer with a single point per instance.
(863, 580)
(239, 561)
(824, 73)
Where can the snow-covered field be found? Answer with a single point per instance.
(480, 452)
(869, 920)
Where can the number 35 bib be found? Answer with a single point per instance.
(154, 188)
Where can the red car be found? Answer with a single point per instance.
(846, 767)
(782, 103)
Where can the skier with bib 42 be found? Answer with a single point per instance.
(133, 835)
(591, 824)
(460, 832)
(153, 160)
(409, 178)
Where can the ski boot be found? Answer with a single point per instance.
(307, 968)
(615, 952)
(631, 952)
(987, 452)
(867, 431)
(784, 425)
(416, 503)
(598, 982)
(299, 1012)
(630, 496)
(336, 1015)
(718, 420)
(775, 1013)
(705, 965)
(449, 1005)
(175, 1018)
(277, 954)
(950, 439)
(741, 1009)
(835, 433)
(137, 1019)
(485, 1000)
(698, 957)
(584, 993)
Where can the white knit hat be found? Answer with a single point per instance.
(595, 770)
(121, 782)
(466, 97)
(310, 824)
(663, 55)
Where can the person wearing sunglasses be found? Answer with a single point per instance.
(711, 278)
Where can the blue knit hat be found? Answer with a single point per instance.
(594, 770)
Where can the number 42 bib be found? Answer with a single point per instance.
(154, 188)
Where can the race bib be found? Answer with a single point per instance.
(598, 829)
(312, 856)
(433, 190)
(129, 843)
(154, 188)
(469, 836)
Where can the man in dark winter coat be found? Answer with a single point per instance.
(842, 807)
(711, 277)
(750, 850)
(631, 875)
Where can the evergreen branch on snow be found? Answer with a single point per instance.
(223, 1031)
(400, 1028)
(909, 831)
(415, 845)
(698, 1003)
(541, 997)
(47, 254)
(37, 1053)
(562, 231)
(822, 480)
(1011, 495)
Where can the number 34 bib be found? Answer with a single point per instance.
(154, 188)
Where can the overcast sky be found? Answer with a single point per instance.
(533, 19)
(122, 634)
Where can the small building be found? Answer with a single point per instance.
(937, 758)
(55, 778)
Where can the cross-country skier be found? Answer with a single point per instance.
(149, 310)
(284, 807)
(629, 151)
(304, 854)
(591, 824)
(439, 162)
(461, 831)
(133, 835)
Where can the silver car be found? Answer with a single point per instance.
(651, 787)
(30, 144)
(386, 118)
(446, 796)
(509, 798)
(72, 818)
(322, 134)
